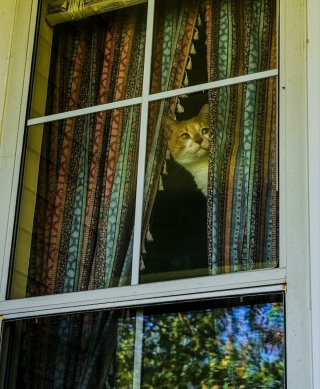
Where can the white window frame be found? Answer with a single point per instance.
(293, 273)
(313, 53)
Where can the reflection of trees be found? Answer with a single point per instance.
(239, 347)
(229, 347)
(125, 353)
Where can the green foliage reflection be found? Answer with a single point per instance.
(222, 348)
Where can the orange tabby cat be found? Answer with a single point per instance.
(188, 142)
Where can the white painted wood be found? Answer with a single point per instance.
(143, 302)
(224, 284)
(213, 85)
(84, 111)
(138, 349)
(156, 96)
(1, 344)
(295, 199)
(282, 133)
(1, 330)
(314, 180)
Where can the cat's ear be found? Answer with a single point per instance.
(204, 114)
(168, 126)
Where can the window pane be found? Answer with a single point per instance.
(196, 42)
(210, 189)
(216, 344)
(77, 204)
(84, 350)
(85, 63)
(222, 343)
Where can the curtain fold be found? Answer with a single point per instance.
(83, 225)
(242, 205)
(84, 211)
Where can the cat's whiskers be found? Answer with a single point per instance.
(180, 169)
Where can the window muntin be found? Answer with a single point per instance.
(235, 341)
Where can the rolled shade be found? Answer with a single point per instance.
(61, 11)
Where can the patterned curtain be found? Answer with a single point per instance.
(84, 211)
(242, 205)
(83, 225)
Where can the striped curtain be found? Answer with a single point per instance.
(86, 185)
(242, 204)
(83, 224)
(82, 236)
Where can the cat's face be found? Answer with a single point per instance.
(188, 140)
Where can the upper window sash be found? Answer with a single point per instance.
(144, 100)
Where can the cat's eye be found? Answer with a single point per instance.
(185, 136)
(205, 131)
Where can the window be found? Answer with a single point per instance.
(236, 283)
(82, 172)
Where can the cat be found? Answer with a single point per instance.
(188, 142)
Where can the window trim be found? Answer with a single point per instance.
(313, 47)
(13, 125)
(294, 222)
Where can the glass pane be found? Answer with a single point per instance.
(196, 42)
(84, 350)
(222, 343)
(76, 214)
(210, 189)
(215, 344)
(85, 63)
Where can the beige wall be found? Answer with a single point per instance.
(30, 180)
(17, 23)
(13, 82)
(7, 14)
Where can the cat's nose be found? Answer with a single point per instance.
(198, 140)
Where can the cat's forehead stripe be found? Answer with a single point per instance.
(190, 127)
